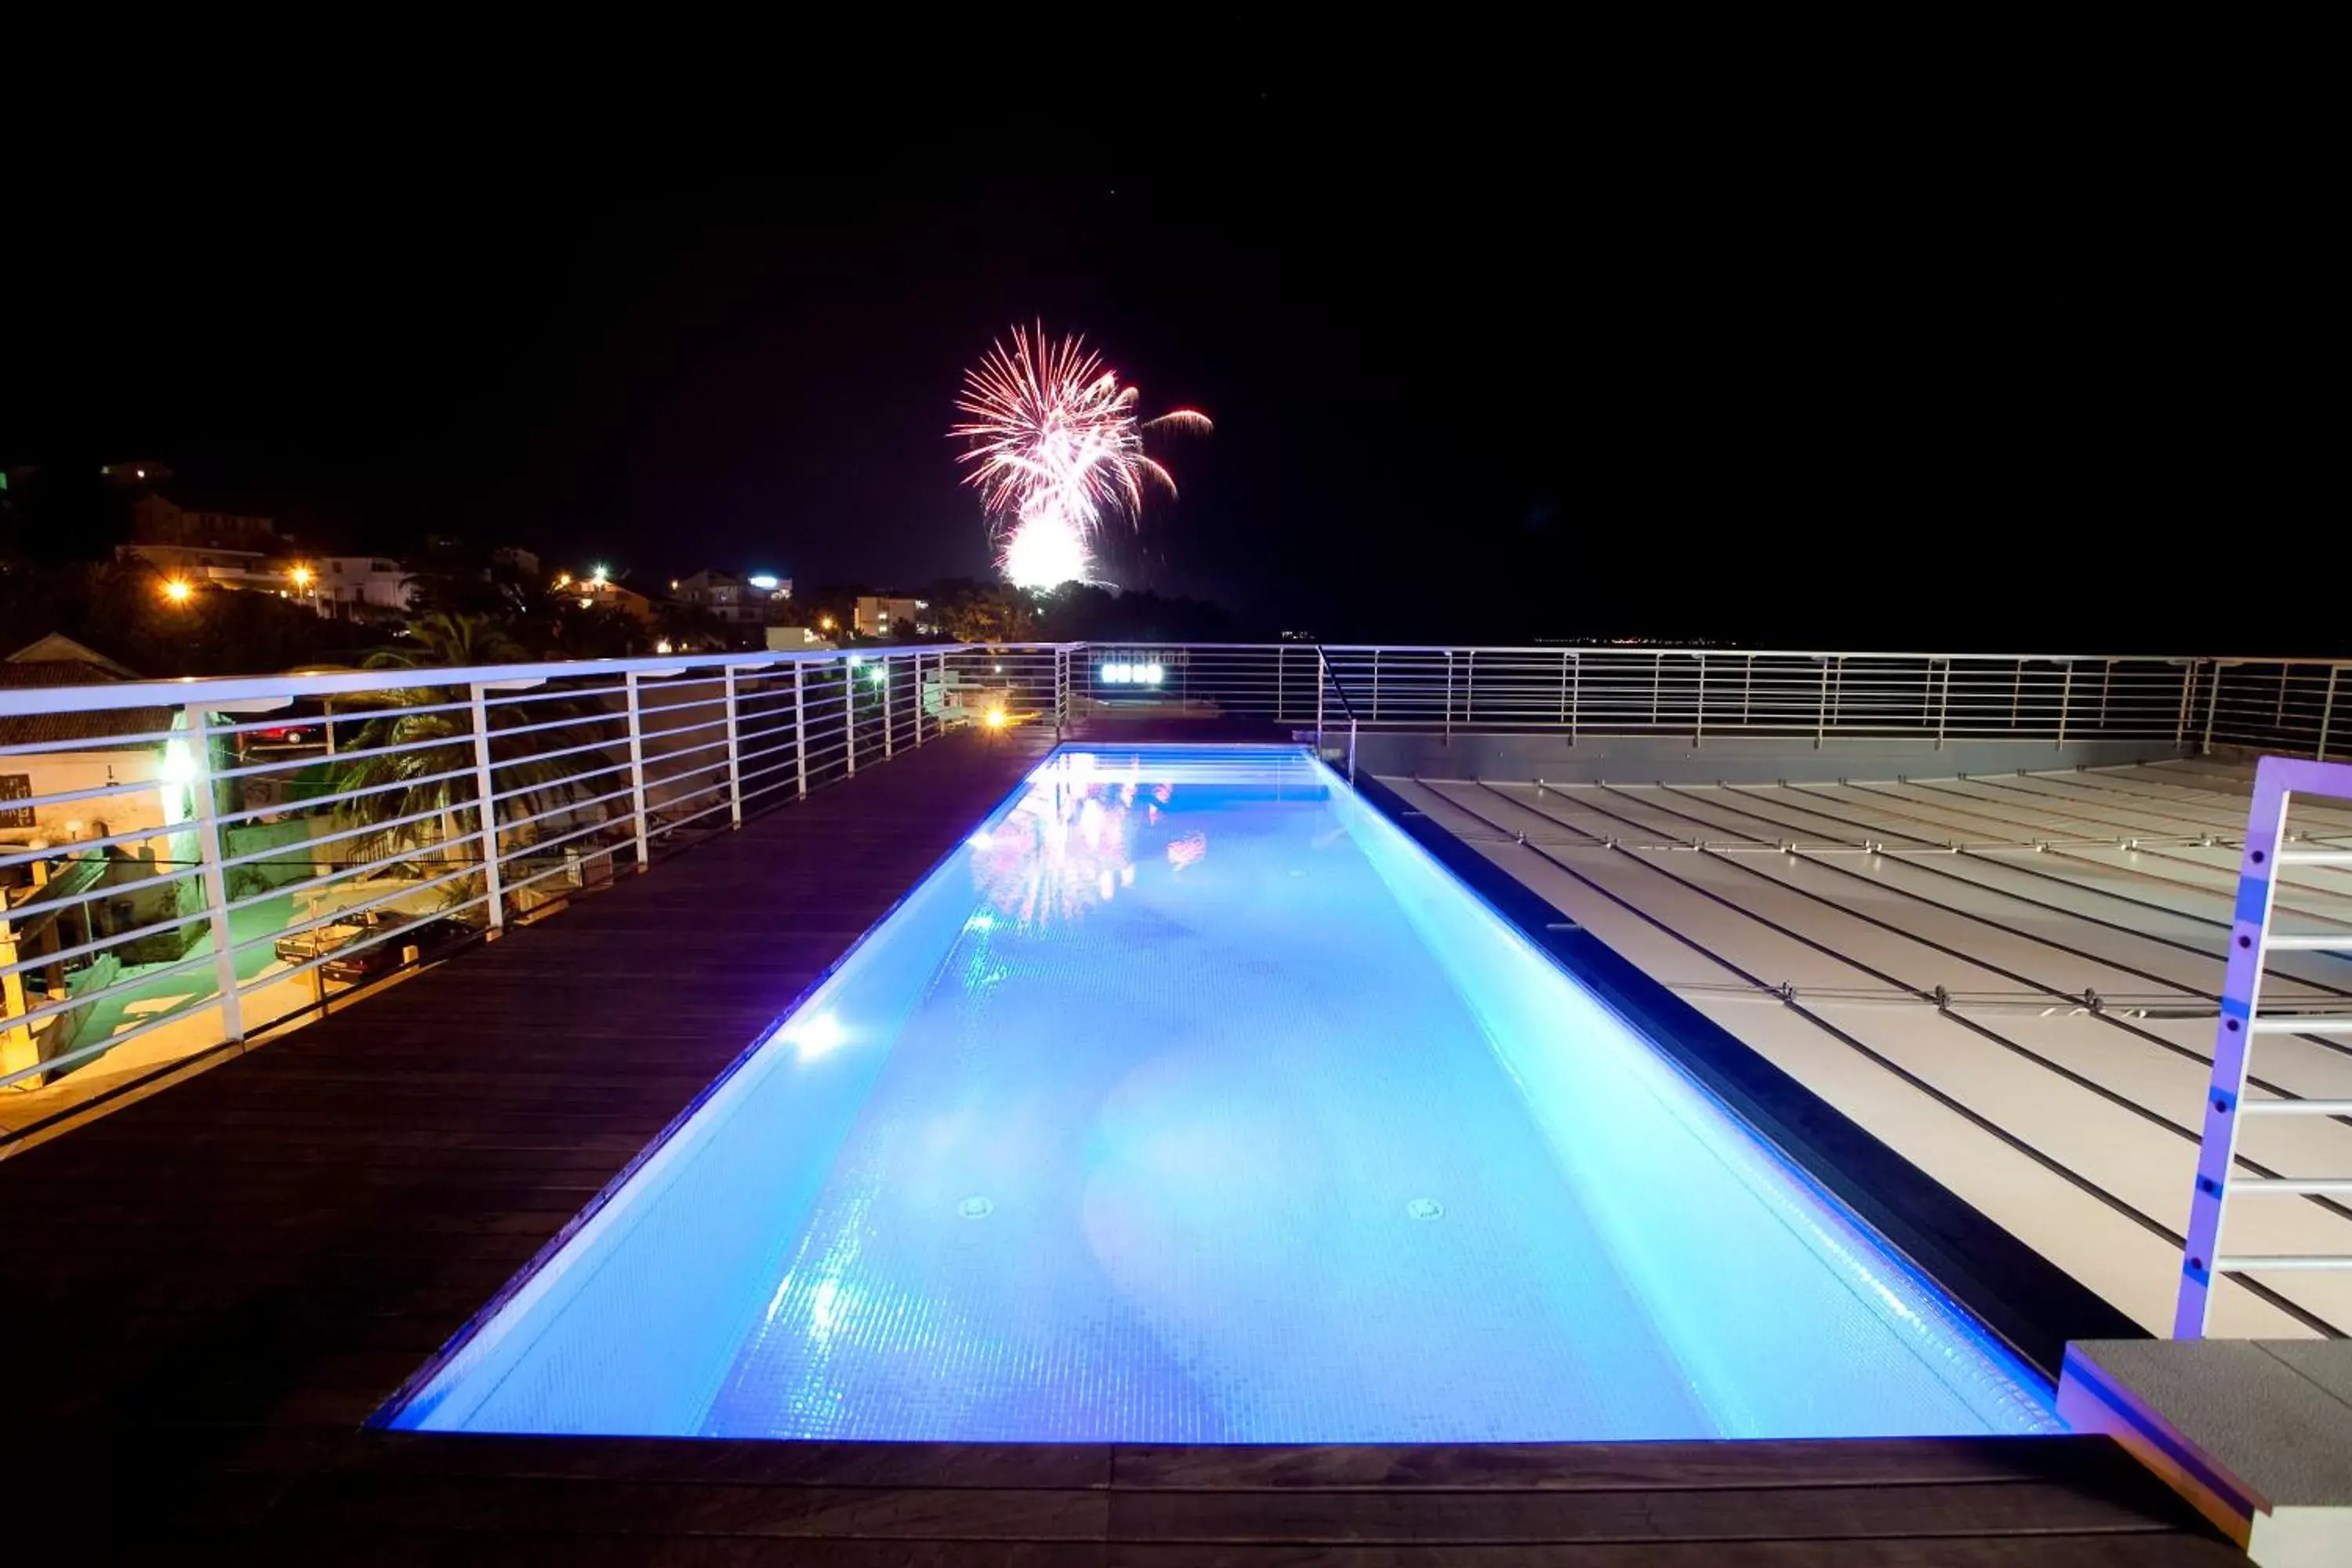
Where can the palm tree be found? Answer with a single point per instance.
(414, 756)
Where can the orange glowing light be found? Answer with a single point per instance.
(995, 718)
(176, 590)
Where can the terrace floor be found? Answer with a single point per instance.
(2011, 980)
(209, 1290)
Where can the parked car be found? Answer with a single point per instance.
(431, 938)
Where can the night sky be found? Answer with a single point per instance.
(1993, 371)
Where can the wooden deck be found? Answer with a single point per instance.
(208, 1291)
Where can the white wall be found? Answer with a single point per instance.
(61, 773)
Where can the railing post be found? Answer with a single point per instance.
(1281, 656)
(1657, 670)
(800, 722)
(1320, 675)
(493, 888)
(212, 877)
(918, 697)
(1698, 715)
(734, 755)
(1747, 686)
(2188, 699)
(2065, 701)
(1449, 697)
(1837, 693)
(2016, 694)
(849, 720)
(1943, 702)
(1575, 694)
(1470, 688)
(1376, 684)
(2327, 709)
(2213, 706)
(2106, 680)
(1822, 715)
(637, 773)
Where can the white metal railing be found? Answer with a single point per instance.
(185, 863)
(2270, 850)
(1705, 694)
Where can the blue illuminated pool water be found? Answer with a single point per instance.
(1191, 1102)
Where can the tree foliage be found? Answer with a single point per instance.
(408, 768)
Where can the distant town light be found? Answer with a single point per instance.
(673, 583)
(563, 579)
(600, 574)
(824, 623)
(301, 576)
(764, 581)
(662, 646)
(585, 603)
(176, 589)
(880, 675)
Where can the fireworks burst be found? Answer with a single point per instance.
(1055, 446)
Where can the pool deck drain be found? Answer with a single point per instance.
(212, 1288)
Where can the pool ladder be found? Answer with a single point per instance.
(2252, 941)
(1326, 680)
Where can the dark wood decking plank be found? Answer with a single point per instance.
(1620, 1466)
(1997, 1552)
(1800, 1512)
(601, 1505)
(381, 1549)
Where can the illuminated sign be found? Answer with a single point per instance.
(1129, 673)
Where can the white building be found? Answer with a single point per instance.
(96, 750)
(734, 601)
(879, 616)
(341, 585)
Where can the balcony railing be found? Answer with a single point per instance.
(1703, 694)
(189, 865)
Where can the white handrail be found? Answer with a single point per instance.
(2203, 1263)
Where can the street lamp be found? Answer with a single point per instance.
(176, 590)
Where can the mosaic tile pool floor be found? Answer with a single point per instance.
(1190, 1102)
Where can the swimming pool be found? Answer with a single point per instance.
(1191, 1102)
